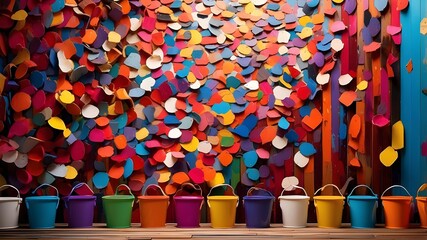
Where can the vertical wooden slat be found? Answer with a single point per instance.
(413, 174)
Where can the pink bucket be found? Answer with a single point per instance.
(188, 202)
(80, 208)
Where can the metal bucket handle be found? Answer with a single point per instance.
(422, 188)
(249, 193)
(328, 185)
(126, 186)
(48, 185)
(400, 187)
(19, 194)
(153, 185)
(223, 185)
(295, 186)
(195, 187)
(78, 185)
(394, 187)
(362, 185)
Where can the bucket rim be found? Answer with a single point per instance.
(4, 199)
(422, 198)
(362, 197)
(189, 197)
(79, 197)
(258, 197)
(394, 198)
(328, 197)
(294, 197)
(222, 197)
(154, 197)
(37, 198)
(118, 197)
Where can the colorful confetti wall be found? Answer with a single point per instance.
(249, 92)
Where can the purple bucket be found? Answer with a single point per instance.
(80, 209)
(258, 206)
(187, 207)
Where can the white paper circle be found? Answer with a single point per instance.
(301, 160)
(90, 111)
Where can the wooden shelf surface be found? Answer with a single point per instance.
(276, 231)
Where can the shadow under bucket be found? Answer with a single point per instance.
(9, 209)
(223, 208)
(187, 207)
(80, 209)
(422, 206)
(118, 209)
(258, 206)
(153, 208)
(329, 209)
(397, 209)
(42, 209)
(294, 209)
(363, 209)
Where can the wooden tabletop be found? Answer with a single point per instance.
(276, 231)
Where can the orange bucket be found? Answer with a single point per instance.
(153, 208)
(422, 206)
(397, 209)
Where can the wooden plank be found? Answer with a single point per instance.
(412, 174)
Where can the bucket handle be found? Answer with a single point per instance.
(11, 186)
(393, 186)
(223, 185)
(48, 185)
(259, 189)
(153, 185)
(295, 186)
(126, 186)
(362, 185)
(19, 194)
(195, 187)
(123, 185)
(78, 185)
(329, 185)
(422, 188)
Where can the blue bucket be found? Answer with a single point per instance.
(363, 209)
(42, 209)
(258, 208)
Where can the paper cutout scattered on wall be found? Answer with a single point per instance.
(172, 91)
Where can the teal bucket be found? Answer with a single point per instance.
(363, 209)
(42, 209)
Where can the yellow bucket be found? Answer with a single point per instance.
(223, 208)
(329, 209)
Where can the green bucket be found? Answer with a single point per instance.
(118, 209)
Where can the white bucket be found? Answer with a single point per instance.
(9, 209)
(294, 209)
